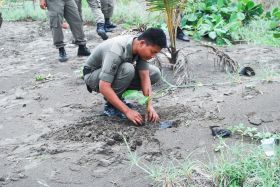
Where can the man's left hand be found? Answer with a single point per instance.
(152, 115)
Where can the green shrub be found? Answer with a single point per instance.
(219, 19)
(259, 32)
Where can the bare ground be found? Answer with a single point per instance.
(52, 134)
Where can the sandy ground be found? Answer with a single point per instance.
(52, 134)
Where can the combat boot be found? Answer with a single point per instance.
(62, 55)
(109, 24)
(83, 51)
(101, 31)
(181, 35)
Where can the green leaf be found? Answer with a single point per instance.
(220, 3)
(136, 96)
(212, 35)
(277, 15)
(192, 17)
(273, 25)
(276, 35)
(250, 5)
(240, 16)
(227, 41)
(233, 17)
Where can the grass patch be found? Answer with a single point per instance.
(246, 165)
(12, 11)
(128, 12)
(259, 32)
(131, 14)
(236, 165)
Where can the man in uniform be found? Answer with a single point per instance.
(110, 71)
(57, 9)
(102, 11)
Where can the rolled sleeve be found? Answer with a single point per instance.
(110, 65)
(142, 65)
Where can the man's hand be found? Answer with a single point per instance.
(43, 4)
(134, 116)
(152, 114)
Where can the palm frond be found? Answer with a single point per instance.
(172, 10)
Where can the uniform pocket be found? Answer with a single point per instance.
(54, 19)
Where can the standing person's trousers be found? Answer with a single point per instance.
(57, 9)
(100, 9)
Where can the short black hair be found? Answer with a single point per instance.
(154, 36)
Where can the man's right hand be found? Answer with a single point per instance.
(134, 116)
(43, 4)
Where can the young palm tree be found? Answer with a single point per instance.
(172, 10)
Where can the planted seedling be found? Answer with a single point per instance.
(137, 96)
(40, 77)
(252, 132)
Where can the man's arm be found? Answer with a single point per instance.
(105, 89)
(147, 91)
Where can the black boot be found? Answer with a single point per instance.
(62, 55)
(83, 51)
(109, 24)
(101, 31)
(181, 35)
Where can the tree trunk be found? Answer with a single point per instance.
(174, 55)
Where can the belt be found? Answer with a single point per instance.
(87, 70)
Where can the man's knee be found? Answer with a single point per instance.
(126, 71)
(155, 74)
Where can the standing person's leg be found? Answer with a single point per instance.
(72, 16)
(56, 13)
(79, 5)
(107, 7)
(95, 7)
(1, 19)
(180, 33)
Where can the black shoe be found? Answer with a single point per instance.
(181, 35)
(109, 24)
(101, 31)
(83, 51)
(110, 110)
(108, 29)
(62, 55)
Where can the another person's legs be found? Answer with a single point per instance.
(107, 7)
(181, 35)
(95, 7)
(56, 13)
(79, 5)
(1, 19)
(72, 16)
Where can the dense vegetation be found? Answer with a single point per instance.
(222, 21)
